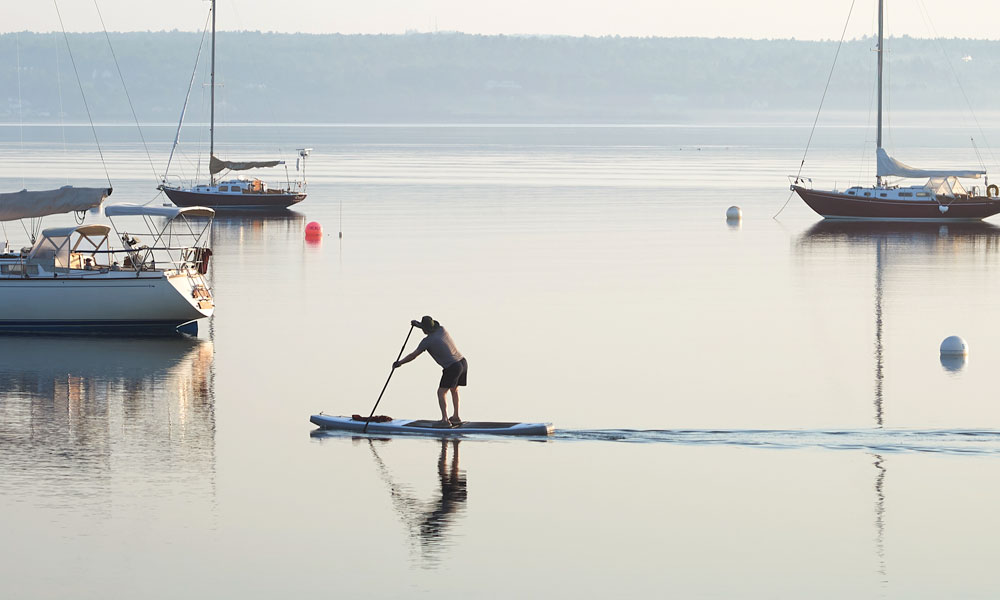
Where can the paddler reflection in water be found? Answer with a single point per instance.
(429, 521)
(442, 349)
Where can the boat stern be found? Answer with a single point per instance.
(192, 287)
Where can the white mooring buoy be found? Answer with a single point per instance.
(954, 354)
(954, 346)
(733, 213)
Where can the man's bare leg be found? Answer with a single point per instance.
(443, 405)
(454, 403)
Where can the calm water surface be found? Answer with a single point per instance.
(754, 410)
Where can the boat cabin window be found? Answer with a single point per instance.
(19, 269)
(905, 195)
(223, 188)
(922, 194)
(868, 193)
(883, 194)
(851, 192)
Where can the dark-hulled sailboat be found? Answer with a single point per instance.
(238, 193)
(941, 198)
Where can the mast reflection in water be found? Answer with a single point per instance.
(81, 417)
(929, 240)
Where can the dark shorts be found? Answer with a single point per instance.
(454, 375)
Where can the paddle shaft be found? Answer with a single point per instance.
(365, 430)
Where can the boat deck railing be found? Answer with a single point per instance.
(138, 259)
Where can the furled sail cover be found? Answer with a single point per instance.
(29, 205)
(217, 165)
(890, 167)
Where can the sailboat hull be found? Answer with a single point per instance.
(240, 201)
(838, 205)
(108, 303)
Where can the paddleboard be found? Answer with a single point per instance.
(426, 427)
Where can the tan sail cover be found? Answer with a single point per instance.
(29, 205)
(890, 167)
(217, 165)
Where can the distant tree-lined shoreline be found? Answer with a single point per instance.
(453, 77)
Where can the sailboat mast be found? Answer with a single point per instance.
(878, 134)
(211, 127)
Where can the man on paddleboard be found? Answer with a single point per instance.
(442, 349)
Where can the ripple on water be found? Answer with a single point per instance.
(960, 442)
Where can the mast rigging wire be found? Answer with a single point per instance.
(82, 94)
(930, 23)
(125, 87)
(197, 60)
(812, 131)
(978, 155)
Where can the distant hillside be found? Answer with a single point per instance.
(451, 77)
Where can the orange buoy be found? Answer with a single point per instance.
(314, 230)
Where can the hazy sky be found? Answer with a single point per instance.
(802, 19)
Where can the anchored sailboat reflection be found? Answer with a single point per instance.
(961, 240)
(101, 409)
(235, 228)
(247, 243)
(929, 239)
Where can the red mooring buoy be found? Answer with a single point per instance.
(314, 230)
